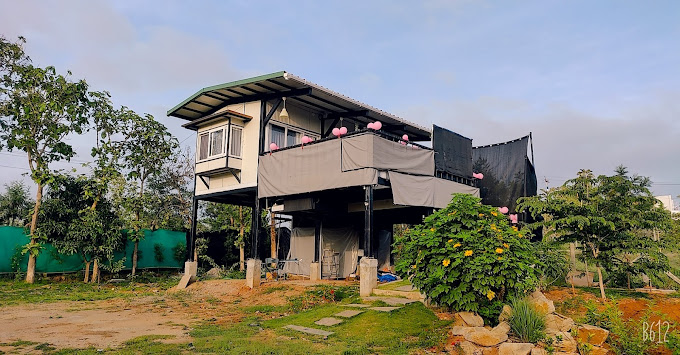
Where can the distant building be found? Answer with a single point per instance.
(668, 203)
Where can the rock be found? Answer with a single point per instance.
(469, 348)
(485, 337)
(460, 330)
(502, 327)
(557, 322)
(599, 351)
(515, 348)
(592, 334)
(471, 319)
(506, 313)
(538, 351)
(541, 302)
(213, 273)
(562, 341)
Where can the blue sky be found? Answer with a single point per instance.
(597, 82)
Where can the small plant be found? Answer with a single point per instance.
(526, 322)
(179, 252)
(554, 266)
(158, 250)
(319, 295)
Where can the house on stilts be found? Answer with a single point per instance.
(340, 171)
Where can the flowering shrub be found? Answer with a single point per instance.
(467, 257)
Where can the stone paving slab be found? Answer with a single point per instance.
(356, 305)
(313, 331)
(406, 288)
(328, 321)
(348, 313)
(384, 309)
(392, 301)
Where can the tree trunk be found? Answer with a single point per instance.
(587, 274)
(95, 271)
(601, 282)
(30, 271)
(572, 255)
(241, 248)
(134, 258)
(87, 271)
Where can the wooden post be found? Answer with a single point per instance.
(272, 234)
(368, 221)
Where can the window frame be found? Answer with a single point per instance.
(231, 155)
(299, 130)
(210, 132)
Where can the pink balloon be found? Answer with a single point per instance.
(513, 218)
(402, 142)
(370, 125)
(336, 132)
(377, 125)
(503, 210)
(305, 139)
(343, 130)
(405, 137)
(273, 146)
(479, 176)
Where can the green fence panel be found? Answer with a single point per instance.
(157, 250)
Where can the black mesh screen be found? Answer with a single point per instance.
(453, 152)
(508, 173)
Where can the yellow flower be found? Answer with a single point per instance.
(446, 262)
(468, 252)
(431, 229)
(499, 250)
(450, 241)
(456, 245)
(494, 213)
(490, 295)
(514, 228)
(481, 215)
(506, 245)
(413, 266)
(500, 258)
(493, 227)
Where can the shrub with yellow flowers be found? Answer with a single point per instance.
(468, 257)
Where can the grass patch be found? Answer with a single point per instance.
(45, 291)
(266, 309)
(20, 343)
(616, 293)
(527, 323)
(394, 285)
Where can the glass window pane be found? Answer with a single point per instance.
(216, 139)
(278, 136)
(235, 141)
(291, 138)
(203, 142)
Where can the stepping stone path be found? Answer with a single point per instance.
(328, 321)
(357, 305)
(313, 331)
(384, 309)
(348, 313)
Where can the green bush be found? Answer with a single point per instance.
(526, 322)
(158, 252)
(179, 252)
(467, 257)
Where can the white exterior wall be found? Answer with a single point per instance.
(249, 153)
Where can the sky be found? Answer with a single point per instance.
(596, 82)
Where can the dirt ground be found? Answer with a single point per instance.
(104, 324)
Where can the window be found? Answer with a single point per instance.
(285, 136)
(278, 134)
(211, 144)
(292, 138)
(235, 138)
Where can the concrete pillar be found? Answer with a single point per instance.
(253, 272)
(190, 272)
(314, 272)
(368, 268)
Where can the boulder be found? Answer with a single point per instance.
(460, 330)
(471, 319)
(469, 348)
(502, 327)
(515, 348)
(542, 303)
(485, 337)
(506, 313)
(562, 341)
(592, 334)
(557, 322)
(599, 351)
(213, 273)
(538, 351)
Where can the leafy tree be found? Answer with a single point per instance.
(73, 227)
(148, 146)
(467, 257)
(39, 108)
(232, 220)
(607, 215)
(172, 192)
(15, 204)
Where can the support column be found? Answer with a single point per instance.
(368, 221)
(255, 230)
(317, 240)
(253, 273)
(192, 233)
(368, 271)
